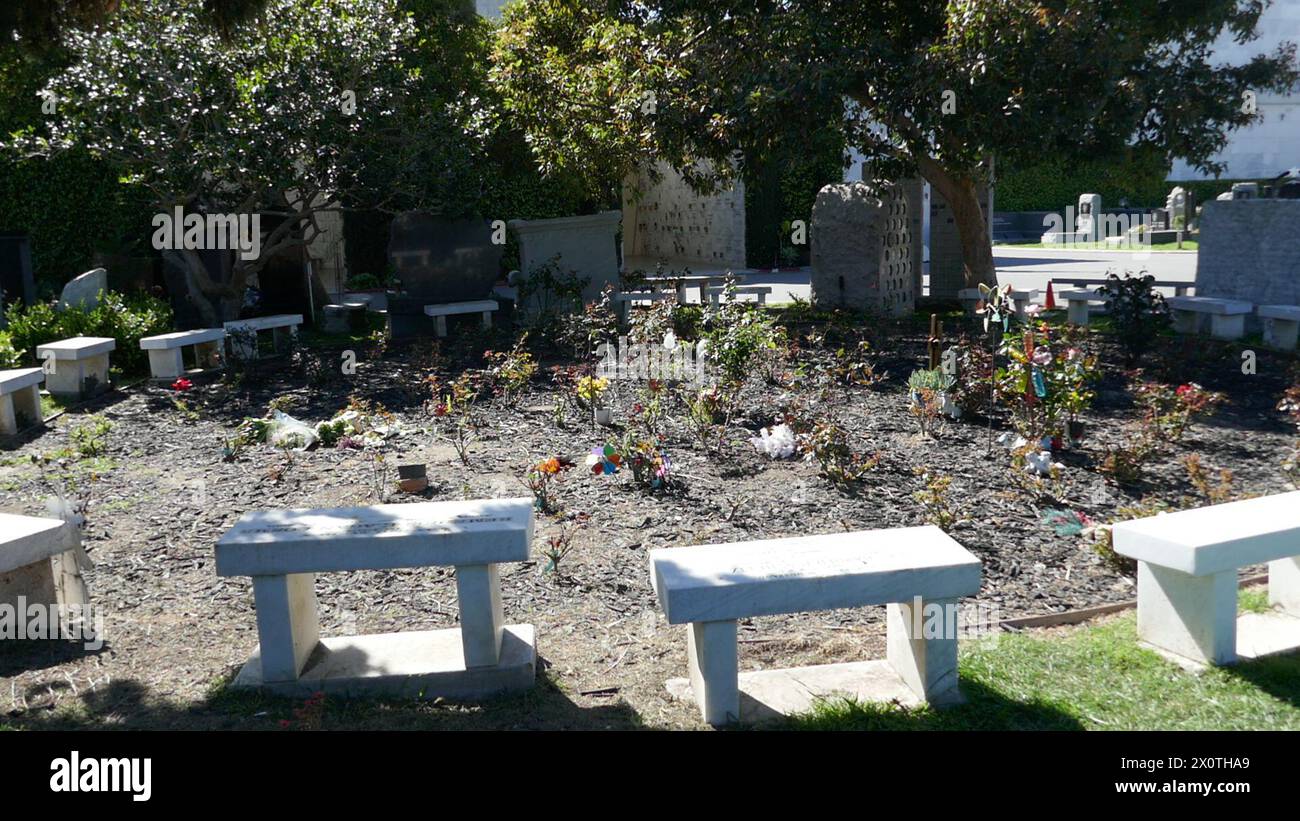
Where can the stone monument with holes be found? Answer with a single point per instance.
(862, 248)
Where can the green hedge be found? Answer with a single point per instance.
(783, 189)
(1051, 186)
(124, 318)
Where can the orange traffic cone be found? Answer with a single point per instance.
(1050, 304)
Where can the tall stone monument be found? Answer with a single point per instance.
(862, 248)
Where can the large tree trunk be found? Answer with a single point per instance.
(962, 196)
(217, 296)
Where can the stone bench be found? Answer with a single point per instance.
(38, 564)
(1281, 325)
(20, 398)
(243, 333)
(441, 312)
(624, 300)
(1187, 576)
(166, 351)
(916, 571)
(283, 550)
(1077, 302)
(1227, 316)
(703, 282)
(344, 317)
(971, 297)
(760, 292)
(78, 367)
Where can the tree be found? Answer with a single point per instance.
(284, 119)
(935, 87)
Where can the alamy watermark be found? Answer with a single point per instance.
(671, 361)
(206, 232)
(40, 621)
(949, 620)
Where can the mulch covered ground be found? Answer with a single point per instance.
(161, 494)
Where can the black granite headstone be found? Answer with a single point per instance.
(439, 261)
(16, 280)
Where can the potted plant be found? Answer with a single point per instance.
(591, 392)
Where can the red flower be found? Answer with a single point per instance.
(182, 384)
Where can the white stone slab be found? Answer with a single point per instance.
(452, 308)
(28, 539)
(263, 323)
(1082, 296)
(1208, 540)
(181, 339)
(793, 575)
(1290, 313)
(78, 347)
(1209, 305)
(423, 665)
(15, 380)
(83, 291)
(769, 695)
(1267, 634)
(276, 542)
(637, 296)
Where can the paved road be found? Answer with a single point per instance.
(1032, 267)
(1021, 267)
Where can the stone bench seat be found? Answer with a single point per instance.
(78, 367)
(624, 299)
(243, 332)
(1187, 577)
(166, 352)
(38, 563)
(760, 292)
(1227, 316)
(20, 398)
(912, 570)
(703, 282)
(283, 550)
(1077, 304)
(1281, 325)
(442, 311)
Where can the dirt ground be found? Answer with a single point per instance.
(160, 494)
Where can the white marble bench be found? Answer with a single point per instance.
(1227, 316)
(1187, 575)
(283, 550)
(1281, 325)
(681, 283)
(478, 306)
(1020, 299)
(20, 398)
(624, 300)
(76, 367)
(243, 332)
(760, 292)
(1077, 302)
(166, 358)
(38, 564)
(916, 571)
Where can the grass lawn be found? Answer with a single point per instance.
(1091, 678)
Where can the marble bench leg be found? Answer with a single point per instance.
(927, 665)
(478, 587)
(440, 325)
(243, 345)
(19, 409)
(78, 377)
(209, 355)
(1191, 616)
(288, 626)
(1077, 312)
(1187, 322)
(166, 364)
(487, 319)
(1224, 326)
(1284, 584)
(714, 670)
(282, 338)
(1281, 333)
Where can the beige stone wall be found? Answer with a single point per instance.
(669, 221)
(329, 260)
